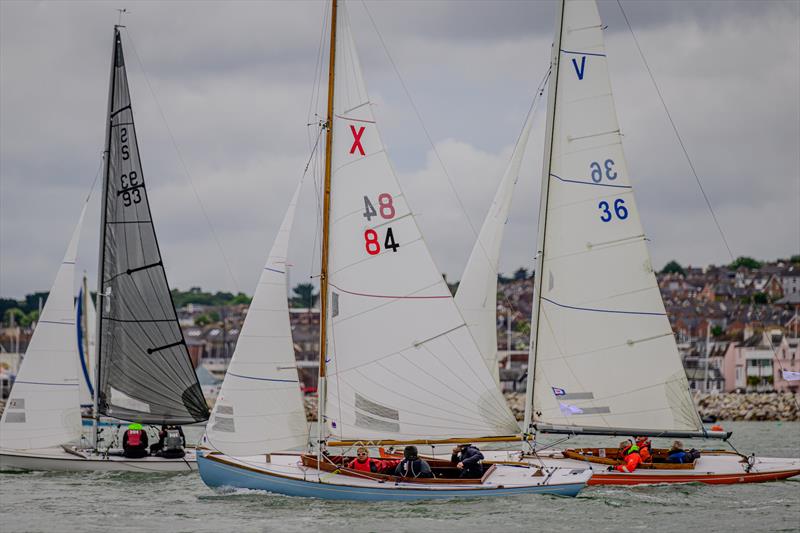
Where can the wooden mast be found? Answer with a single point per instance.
(326, 207)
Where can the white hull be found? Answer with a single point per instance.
(286, 474)
(57, 459)
(711, 467)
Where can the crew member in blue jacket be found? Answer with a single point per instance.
(676, 454)
(468, 459)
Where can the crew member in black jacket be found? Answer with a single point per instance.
(468, 459)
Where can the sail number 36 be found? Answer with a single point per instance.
(386, 211)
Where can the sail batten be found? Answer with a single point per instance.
(145, 373)
(603, 352)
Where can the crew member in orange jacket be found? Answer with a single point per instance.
(630, 453)
(363, 462)
(644, 445)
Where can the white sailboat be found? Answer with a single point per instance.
(397, 363)
(142, 369)
(603, 359)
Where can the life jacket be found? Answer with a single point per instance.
(414, 468)
(644, 449)
(632, 460)
(173, 441)
(366, 466)
(134, 437)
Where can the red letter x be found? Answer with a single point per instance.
(357, 139)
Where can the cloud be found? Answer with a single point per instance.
(233, 82)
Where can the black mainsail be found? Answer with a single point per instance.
(144, 370)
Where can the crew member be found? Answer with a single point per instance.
(412, 465)
(171, 442)
(363, 462)
(468, 459)
(134, 442)
(630, 454)
(676, 454)
(644, 445)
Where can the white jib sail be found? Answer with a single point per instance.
(260, 407)
(605, 354)
(402, 363)
(477, 292)
(43, 407)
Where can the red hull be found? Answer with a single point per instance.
(711, 479)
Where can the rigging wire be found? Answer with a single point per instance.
(184, 167)
(677, 134)
(537, 97)
(691, 165)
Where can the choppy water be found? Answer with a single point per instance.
(181, 502)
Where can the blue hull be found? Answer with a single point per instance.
(219, 475)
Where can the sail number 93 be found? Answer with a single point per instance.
(387, 211)
(130, 182)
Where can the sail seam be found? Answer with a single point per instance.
(391, 297)
(591, 183)
(263, 379)
(45, 383)
(602, 310)
(582, 53)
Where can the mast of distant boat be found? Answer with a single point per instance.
(323, 277)
(543, 200)
(101, 255)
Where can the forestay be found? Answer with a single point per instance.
(260, 408)
(43, 407)
(476, 297)
(403, 364)
(145, 371)
(605, 355)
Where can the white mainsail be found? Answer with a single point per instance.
(476, 297)
(260, 407)
(603, 348)
(43, 407)
(403, 364)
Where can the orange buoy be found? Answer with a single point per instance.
(717, 427)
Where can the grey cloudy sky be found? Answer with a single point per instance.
(234, 81)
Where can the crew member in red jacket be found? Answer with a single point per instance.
(644, 445)
(630, 454)
(363, 462)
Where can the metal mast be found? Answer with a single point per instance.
(101, 255)
(543, 200)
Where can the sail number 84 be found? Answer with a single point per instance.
(386, 211)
